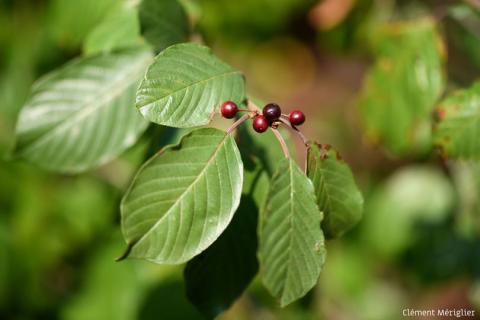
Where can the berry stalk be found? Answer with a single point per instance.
(295, 129)
(282, 143)
(241, 120)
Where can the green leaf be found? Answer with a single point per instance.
(337, 194)
(456, 131)
(217, 277)
(69, 22)
(183, 198)
(466, 177)
(463, 36)
(83, 115)
(403, 86)
(292, 247)
(119, 30)
(163, 23)
(184, 86)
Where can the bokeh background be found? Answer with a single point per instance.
(418, 245)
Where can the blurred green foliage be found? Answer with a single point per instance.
(418, 244)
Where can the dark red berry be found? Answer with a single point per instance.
(296, 117)
(229, 109)
(260, 124)
(272, 112)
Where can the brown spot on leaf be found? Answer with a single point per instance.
(339, 157)
(324, 149)
(440, 114)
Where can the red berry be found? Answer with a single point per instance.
(272, 112)
(229, 109)
(296, 117)
(260, 124)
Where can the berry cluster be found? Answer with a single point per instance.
(270, 117)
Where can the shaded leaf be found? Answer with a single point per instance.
(168, 301)
(466, 177)
(183, 198)
(463, 33)
(69, 22)
(218, 276)
(338, 197)
(185, 84)
(265, 147)
(292, 248)
(458, 126)
(403, 86)
(83, 115)
(163, 23)
(119, 30)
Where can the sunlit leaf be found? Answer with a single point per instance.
(184, 86)
(163, 23)
(217, 277)
(83, 115)
(119, 30)
(292, 249)
(183, 198)
(458, 126)
(337, 194)
(403, 86)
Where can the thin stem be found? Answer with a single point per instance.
(282, 142)
(297, 131)
(242, 119)
(253, 107)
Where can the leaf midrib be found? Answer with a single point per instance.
(287, 275)
(187, 190)
(170, 93)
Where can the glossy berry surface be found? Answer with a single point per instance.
(229, 109)
(260, 124)
(296, 117)
(272, 112)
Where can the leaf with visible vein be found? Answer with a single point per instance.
(83, 115)
(183, 198)
(218, 276)
(458, 126)
(184, 86)
(292, 247)
(338, 197)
